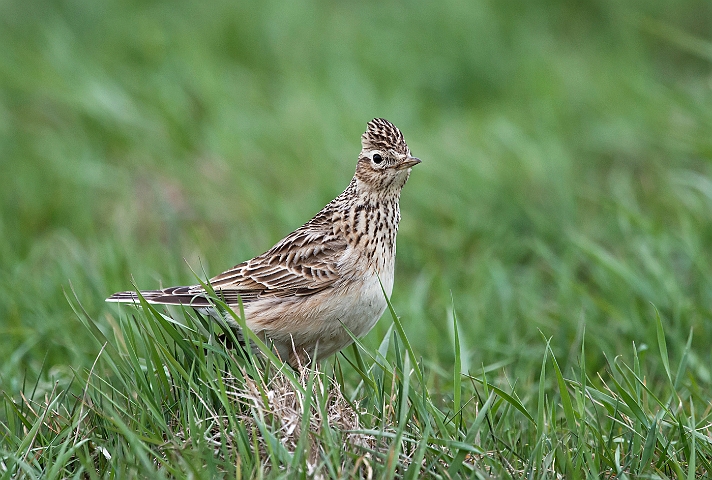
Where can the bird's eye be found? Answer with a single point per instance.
(377, 158)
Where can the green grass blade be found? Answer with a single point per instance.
(692, 467)
(457, 372)
(540, 420)
(564, 394)
(662, 345)
(510, 399)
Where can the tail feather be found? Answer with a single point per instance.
(167, 296)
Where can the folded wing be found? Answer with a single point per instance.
(303, 263)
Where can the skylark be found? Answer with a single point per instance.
(328, 273)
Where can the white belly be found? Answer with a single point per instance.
(317, 323)
(360, 310)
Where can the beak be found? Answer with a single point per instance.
(409, 162)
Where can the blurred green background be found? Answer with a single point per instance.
(566, 178)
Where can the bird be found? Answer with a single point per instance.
(327, 280)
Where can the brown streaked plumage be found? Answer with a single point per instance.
(326, 273)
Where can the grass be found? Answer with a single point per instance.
(164, 399)
(554, 274)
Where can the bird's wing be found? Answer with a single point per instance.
(303, 263)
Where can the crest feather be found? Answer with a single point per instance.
(383, 135)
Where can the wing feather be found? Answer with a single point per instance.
(302, 263)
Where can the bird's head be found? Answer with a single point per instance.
(385, 161)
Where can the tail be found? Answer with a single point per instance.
(190, 296)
